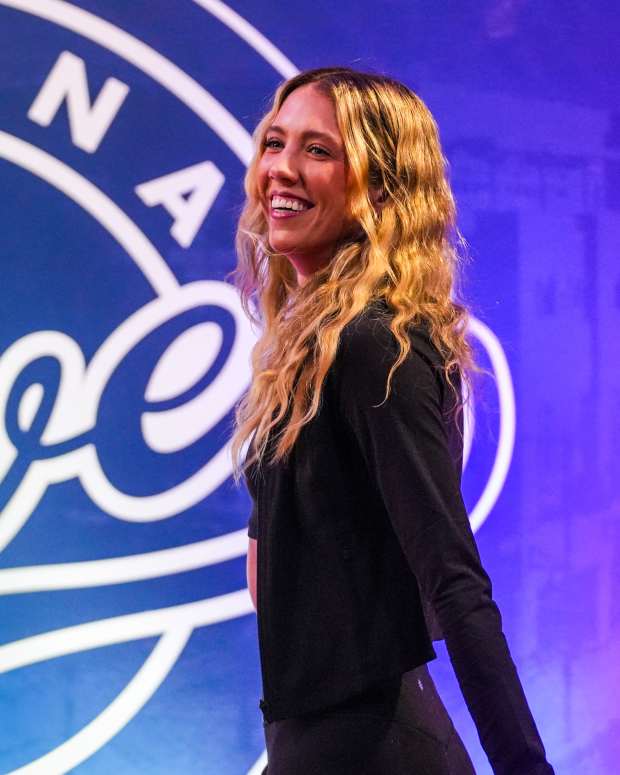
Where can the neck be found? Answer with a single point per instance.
(306, 266)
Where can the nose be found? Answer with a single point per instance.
(284, 167)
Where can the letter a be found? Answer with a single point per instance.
(187, 195)
(88, 123)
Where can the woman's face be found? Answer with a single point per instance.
(302, 178)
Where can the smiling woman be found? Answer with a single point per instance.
(302, 177)
(361, 552)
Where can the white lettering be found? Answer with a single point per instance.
(54, 441)
(187, 195)
(88, 122)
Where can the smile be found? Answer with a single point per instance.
(285, 207)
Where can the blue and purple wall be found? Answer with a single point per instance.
(127, 639)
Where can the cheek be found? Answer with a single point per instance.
(262, 177)
(337, 197)
(338, 209)
(262, 199)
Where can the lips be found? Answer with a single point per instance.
(285, 204)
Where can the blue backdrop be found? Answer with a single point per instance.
(128, 642)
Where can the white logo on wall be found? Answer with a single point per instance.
(187, 196)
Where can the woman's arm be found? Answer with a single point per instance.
(405, 445)
(251, 569)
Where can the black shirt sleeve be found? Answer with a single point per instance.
(404, 441)
(253, 523)
(250, 483)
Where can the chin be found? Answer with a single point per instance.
(283, 246)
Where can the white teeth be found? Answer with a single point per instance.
(288, 204)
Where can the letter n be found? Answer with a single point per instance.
(88, 123)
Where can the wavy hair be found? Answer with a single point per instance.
(403, 253)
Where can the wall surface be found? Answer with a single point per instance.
(128, 641)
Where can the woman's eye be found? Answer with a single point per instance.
(272, 142)
(316, 150)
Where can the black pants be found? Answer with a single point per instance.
(399, 730)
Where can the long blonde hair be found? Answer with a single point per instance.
(403, 253)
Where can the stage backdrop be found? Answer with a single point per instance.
(127, 639)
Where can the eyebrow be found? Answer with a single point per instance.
(308, 134)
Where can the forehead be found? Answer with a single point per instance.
(308, 108)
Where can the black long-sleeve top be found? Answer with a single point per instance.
(365, 546)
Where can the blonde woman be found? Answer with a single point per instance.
(360, 548)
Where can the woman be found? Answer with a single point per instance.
(360, 547)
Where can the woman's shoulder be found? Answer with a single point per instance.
(365, 363)
(367, 340)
